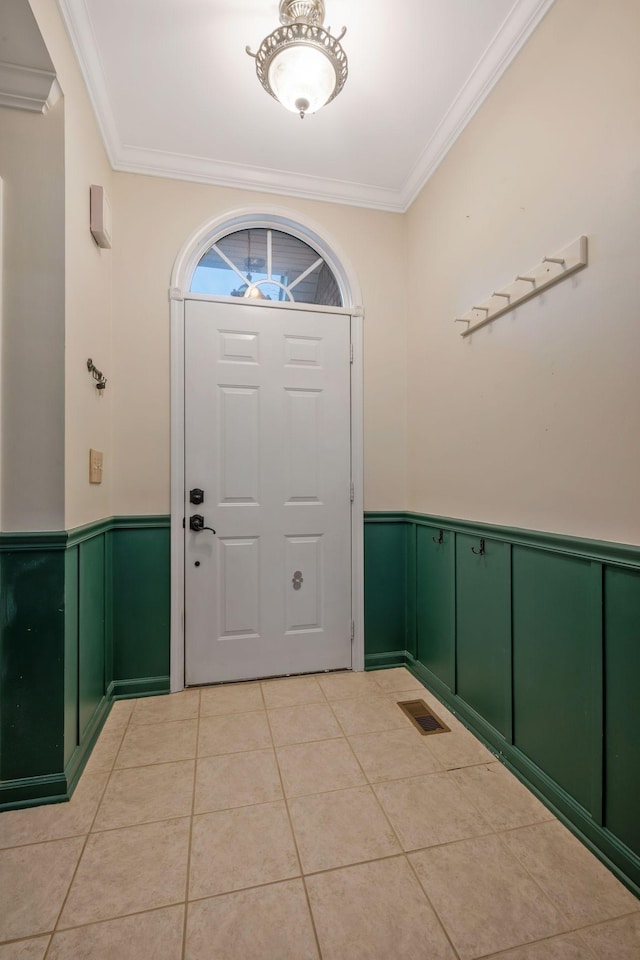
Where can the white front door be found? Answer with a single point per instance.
(267, 440)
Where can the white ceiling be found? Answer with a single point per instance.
(176, 95)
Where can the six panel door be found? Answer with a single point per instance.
(267, 439)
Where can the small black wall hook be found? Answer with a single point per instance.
(481, 552)
(98, 375)
(440, 538)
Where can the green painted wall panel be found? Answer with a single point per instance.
(141, 603)
(32, 605)
(385, 576)
(71, 584)
(411, 595)
(622, 704)
(483, 629)
(554, 660)
(435, 578)
(108, 609)
(91, 680)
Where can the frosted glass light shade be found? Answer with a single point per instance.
(302, 78)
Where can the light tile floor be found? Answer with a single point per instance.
(300, 819)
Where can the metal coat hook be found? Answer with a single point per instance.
(528, 279)
(440, 538)
(554, 260)
(499, 293)
(486, 309)
(481, 552)
(98, 375)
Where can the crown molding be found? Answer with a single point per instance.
(520, 23)
(516, 29)
(80, 32)
(284, 183)
(25, 88)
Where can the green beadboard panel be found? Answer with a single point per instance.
(483, 629)
(32, 605)
(622, 704)
(411, 596)
(141, 603)
(108, 610)
(71, 627)
(385, 560)
(554, 655)
(91, 633)
(435, 588)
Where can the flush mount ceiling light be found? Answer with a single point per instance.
(301, 64)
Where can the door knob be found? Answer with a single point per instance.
(297, 580)
(196, 523)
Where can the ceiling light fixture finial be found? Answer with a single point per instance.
(301, 64)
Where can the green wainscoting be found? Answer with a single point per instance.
(557, 670)
(535, 645)
(435, 601)
(385, 613)
(622, 704)
(483, 628)
(141, 608)
(32, 662)
(84, 618)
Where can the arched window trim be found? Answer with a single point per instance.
(276, 219)
(245, 275)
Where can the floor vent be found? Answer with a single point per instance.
(423, 717)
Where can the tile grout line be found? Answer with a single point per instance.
(88, 834)
(498, 834)
(95, 923)
(28, 939)
(539, 886)
(432, 905)
(402, 852)
(293, 836)
(185, 919)
(534, 943)
(572, 927)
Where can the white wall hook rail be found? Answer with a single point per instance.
(550, 270)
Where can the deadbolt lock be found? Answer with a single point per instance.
(196, 496)
(297, 580)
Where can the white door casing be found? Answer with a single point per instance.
(267, 440)
(188, 258)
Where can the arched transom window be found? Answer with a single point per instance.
(266, 264)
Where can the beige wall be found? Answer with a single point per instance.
(88, 415)
(531, 422)
(534, 421)
(153, 218)
(33, 319)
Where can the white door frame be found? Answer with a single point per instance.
(185, 264)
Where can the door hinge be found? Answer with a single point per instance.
(353, 631)
(351, 352)
(352, 492)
